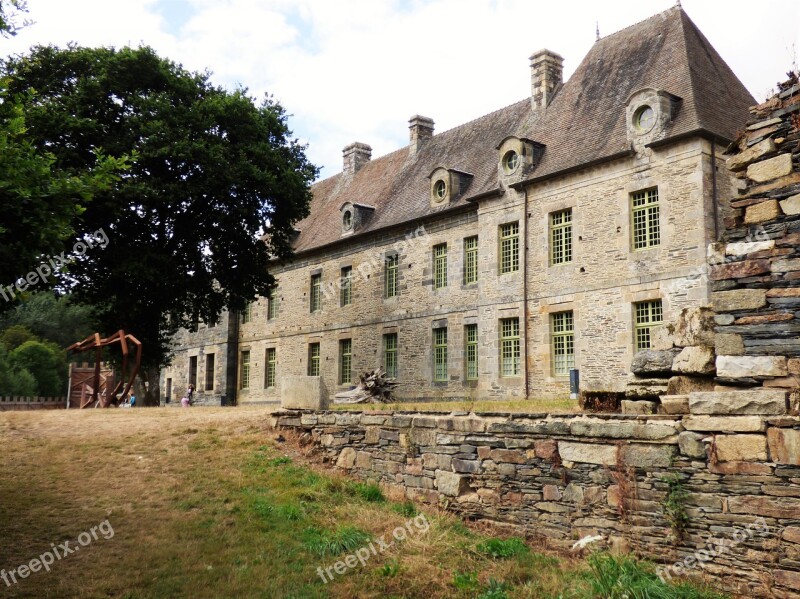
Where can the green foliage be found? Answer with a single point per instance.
(465, 581)
(333, 542)
(495, 590)
(290, 512)
(390, 569)
(503, 548)
(407, 509)
(675, 505)
(369, 492)
(16, 335)
(280, 461)
(47, 364)
(613, 577)
(13, 379)
(53, 318)
(9, 13)
(211, 172)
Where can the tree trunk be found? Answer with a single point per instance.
(147, 387)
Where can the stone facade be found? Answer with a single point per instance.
(564, 477)
(516, 171)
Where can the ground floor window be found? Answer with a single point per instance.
(562, 336)
(440, 354)
(509, 347)
(245, 375)
(345, 361)
(313, 359)
(647, 315)
(209, 372)
(471, 351)
(271, 367)
(390, 354)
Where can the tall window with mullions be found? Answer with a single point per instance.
(645, 219)
(390, 354)
(440, 354)
(562, 335)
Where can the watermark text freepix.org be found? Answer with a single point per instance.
(48, 558)
(418, 524)
(52, 265)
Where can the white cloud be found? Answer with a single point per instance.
(356, 70)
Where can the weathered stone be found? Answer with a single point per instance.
(436, 461)
(372, 435)
(728, 424)
(588, 453)
(467, 425)
(791, 205)
(507, 455)
(661, 337)
(724, 319)
(691, 444)
(763, 212)
(788, 578)
(742, 468)
(622, 430)
(347, 458)
(779, 266)
(767, 123)
(638, 407)
(791, 534)
(741, 402)
(645, 388)
(786, 382)
(739, 299)
(648, 456)
(769, 169)
(767, 318)
(363, 460)
(546, 449)
(696, 359)
(694, 326)
(729, 344)
(784, 445)
(423, 436)
(750, 366)
(772, 507)
(303, 393)
(793, 365)
(683, 385)
(653, 362)
(738, 270)
(675, 404)
(471, 466)
(742, 248)
(741, 160)
(451, 484)
(573, 493)
(741, 448)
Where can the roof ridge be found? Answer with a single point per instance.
(613, 33)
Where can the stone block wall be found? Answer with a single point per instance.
(12, 404)
(755, 270)
(563, 477)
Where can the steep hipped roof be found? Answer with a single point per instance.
(584, 123)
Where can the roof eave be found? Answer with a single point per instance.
(571, 169)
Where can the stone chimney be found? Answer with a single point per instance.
(355, 156)
(547, 71)
(421, 128)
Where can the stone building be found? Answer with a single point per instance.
(489, 260)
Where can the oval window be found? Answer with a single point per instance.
(644, 119)
(439, 190)
(347, 220)
(510, 161)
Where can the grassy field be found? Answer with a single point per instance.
(171, 503)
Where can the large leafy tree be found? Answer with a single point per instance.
(215, 185)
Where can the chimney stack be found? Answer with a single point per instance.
(421, 128)
(355, 156)
(547, 71)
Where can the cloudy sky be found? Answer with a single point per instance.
(356, 70)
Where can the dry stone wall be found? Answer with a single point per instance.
(564, 477)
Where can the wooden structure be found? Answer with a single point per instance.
(97, 343)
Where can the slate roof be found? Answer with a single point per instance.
(584, 123)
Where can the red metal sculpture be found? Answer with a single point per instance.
(98, 343)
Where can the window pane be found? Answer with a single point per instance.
(470, 260)
(471, 351)
(510, 347)
(440, 354)
(648, 314)
(563, 343)
(245, 370)
(391, 276)
(346, 290)
(645, 219)
(316, 292)
(509, 247)
(345, 361)
(440, 266)
(390, 354)
(271, 361)
(561, 237)
(313, 359)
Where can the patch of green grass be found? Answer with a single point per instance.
(290, 511)
(503, 548)
(390, 569)
(495, 590)
(274, 462)
(369, 492)
(466, 581)
(623, 577)
(407, 509)
(333, 542)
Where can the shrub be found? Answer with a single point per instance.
(503, 548)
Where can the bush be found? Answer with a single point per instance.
(503, 548)
(45, 362)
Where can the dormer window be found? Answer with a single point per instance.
(510, 161)
(439, 190)
(644, 119)
(347, 220)
(355, 216)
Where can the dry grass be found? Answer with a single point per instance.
(206, 503)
